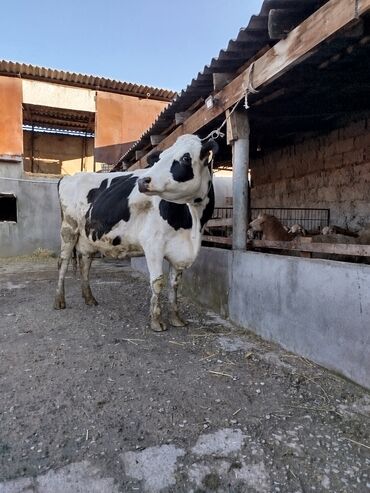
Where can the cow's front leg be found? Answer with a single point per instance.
(85, 264)
(174, 278)
(155, 266)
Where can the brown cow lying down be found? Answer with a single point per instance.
(271, 228)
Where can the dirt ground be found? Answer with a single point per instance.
(93, 401)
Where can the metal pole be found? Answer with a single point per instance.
(241, 214)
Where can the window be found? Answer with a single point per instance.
(8, 207)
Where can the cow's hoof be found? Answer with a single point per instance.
(177, 321)
(91, 302)
(157, 326)
(59, 304)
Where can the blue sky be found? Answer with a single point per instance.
(162, 43)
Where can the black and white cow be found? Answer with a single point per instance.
(159, 212)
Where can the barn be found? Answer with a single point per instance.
(246, 397)
(55, 123)
(288, 102)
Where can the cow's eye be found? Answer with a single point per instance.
(186, 159)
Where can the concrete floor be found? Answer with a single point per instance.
(93, 401)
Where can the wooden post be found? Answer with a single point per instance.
(156, 139)
(238, 135)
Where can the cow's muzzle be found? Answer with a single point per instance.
(143, 184)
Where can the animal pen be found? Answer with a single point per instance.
(288, 101)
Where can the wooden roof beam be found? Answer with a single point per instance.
(325, 22)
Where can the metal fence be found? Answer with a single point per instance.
(312, 220)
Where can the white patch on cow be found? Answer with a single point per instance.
(155, 466)
(222, 442)
(80, 477)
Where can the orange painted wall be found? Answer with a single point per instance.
(121, 120)
(11, 134)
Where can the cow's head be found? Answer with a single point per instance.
(181, 173)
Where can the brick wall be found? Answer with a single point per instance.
(330, 171)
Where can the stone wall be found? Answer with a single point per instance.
(327, 171)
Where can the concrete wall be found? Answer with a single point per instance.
(207, 282)
(38, 223)
(319, 309)
(327, 171)
(58, 154)
(316, 308)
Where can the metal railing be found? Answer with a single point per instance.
(312, 220)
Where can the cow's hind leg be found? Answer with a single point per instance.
(85, 264)
(155, 266)
(69, 238)
(174, 280)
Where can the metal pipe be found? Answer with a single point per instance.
(240, 149)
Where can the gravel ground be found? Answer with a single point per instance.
(93, 401)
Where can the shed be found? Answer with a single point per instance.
(292, 91)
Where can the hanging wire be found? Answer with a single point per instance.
(215, 134)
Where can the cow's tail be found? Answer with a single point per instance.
(74, 257)
(74, 260)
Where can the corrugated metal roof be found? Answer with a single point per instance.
(27, 71)
(58, 118)
(249, 42)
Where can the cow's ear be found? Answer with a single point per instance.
(209, 149)
(153, 158)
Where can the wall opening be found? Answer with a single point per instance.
(8, 207)
(57, 141)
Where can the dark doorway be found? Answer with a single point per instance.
(8, 207)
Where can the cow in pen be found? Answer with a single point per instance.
(159, 212)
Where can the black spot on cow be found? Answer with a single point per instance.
(94, 192)
(182, 170)
(109, 205)
(198, 200)
(209, 208)
(177, 215)
(207, 148)
(116, 241)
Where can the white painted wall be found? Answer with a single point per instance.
(58, 96)
(223, 185)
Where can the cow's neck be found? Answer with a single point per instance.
(196, 214)
(202, 210)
